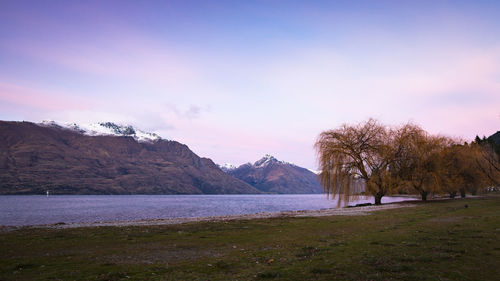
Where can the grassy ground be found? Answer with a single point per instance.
(434, 241)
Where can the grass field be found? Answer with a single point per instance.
(435, 241)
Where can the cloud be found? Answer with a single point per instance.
(338, 86)
(131, 56)
(462, 122)
(40, 99)
(190, 112)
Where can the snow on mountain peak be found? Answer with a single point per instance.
(226, 167)
(107, 129)
(266, 160)
(259, 164)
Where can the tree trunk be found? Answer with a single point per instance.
(378, 198)
(462, 193)
(424, 195)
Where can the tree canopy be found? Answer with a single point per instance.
(403, 159)
(363, 151)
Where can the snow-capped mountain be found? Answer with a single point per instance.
(226, 167)
(271, 175)
(35, 158)
(107, 129)
(261, 163)
(268, 159)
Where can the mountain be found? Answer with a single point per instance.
(106, 129)
(495, 138)
(226, 167)
(103, 158)
(273, 176)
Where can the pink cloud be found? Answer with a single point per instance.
(39, 99)
(131, 57)
(463, 123)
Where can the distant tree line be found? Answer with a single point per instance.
(403, 160)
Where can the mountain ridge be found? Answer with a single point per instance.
(105, 129)
(495, 138)
(271, 175)
(34, 158)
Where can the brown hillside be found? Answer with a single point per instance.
(36, 158)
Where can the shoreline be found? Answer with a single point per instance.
(380, 243)
(345, 211)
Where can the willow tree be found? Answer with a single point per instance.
(450, 170)
(488, 162)
(418, 162)
(467, 168)
(349, 153)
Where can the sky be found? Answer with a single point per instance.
(235, 80)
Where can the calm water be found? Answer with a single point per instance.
(32, 210)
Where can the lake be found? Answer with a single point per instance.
(17, 210)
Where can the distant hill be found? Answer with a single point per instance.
(495, 138)
(273, 176)
(103, 158)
